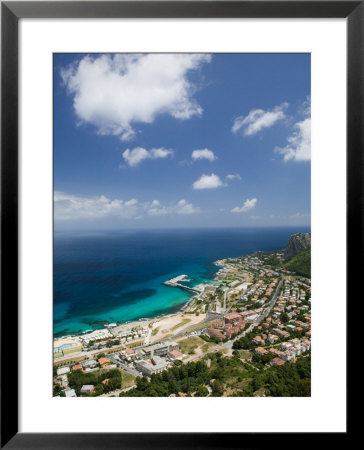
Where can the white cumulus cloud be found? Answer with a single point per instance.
(114, 92)
(138, 154)
(186, 208)
(233, 176)
(157, 209)
(203, 154)
(182, 207)
(248, 205)
(257, 119)
(208, 182)
(71, 207)
(299, 142)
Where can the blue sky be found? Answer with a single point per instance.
(181, 140)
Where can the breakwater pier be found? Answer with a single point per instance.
(175, 282)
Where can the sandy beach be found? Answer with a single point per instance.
(169, 325)
(162, 326)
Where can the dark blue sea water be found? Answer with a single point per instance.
(117, 276)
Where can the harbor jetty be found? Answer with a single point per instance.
(175, 282)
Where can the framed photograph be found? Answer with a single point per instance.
(181, 194)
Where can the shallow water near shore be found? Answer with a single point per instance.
(117, 276)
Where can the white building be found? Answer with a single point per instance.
(63, 370)
(70, 393)
(89, 364)
(87, 389)
(148, 368)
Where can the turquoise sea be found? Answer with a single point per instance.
(117, 276)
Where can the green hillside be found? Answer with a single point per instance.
(301, 263)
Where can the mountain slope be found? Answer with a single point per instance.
(297, 243)
(300, 263)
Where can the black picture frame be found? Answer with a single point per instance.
(11, 12)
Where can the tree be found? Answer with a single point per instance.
(142, 383)
(99, 389)
(302, 388)
(112, 384)
(77, 379)
(217, 388)
(242, 343)
(57, 390)
(258, 382)
(262, 359)
(201, 391)
(284, 317)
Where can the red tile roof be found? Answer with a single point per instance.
(261, 350)
(103, 361)
(277, 362)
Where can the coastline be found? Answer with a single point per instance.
(183, 309)
(99, 291)
(247, 297)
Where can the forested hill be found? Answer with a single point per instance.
(301, 263)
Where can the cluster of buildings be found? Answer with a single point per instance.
(261, 292)
(158, 357)
(87, 366)
(145, 360)
(124, 333)
(132, 335)
(275, 335)
(229, 326)
(152, 359)
(289, 350)
(247, 286)
(96, 335)
(253, 262)
(290, 315)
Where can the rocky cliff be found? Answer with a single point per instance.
(297, 243)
